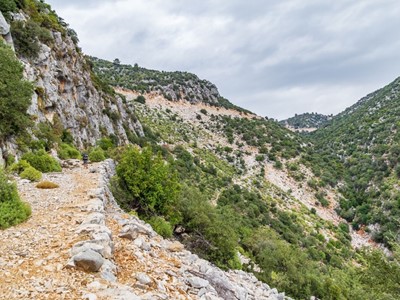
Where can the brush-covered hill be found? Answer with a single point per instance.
(250, 184)
(364, 139)
(305, 122)
(172, 85)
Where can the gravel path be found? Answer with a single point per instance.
(33, 254)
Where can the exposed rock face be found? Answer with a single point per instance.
(4, 27)
(5, 30)
(65, 93)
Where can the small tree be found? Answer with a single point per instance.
(151, 181)
(15, 95)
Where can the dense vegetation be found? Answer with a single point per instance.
(12, 209)
(216, 217)
(306, 120)
(293, 256)
(15, 95)
(42, 20)
(361, 148)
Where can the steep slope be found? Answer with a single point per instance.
(254, 169)
(68, 96)
(364, 139)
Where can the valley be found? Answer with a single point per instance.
(188, 195)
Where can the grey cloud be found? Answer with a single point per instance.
(275, 57)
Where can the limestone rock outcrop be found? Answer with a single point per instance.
(5, 30)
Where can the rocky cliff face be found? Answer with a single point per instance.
(172, 85)
(5, 30)
(67, 94)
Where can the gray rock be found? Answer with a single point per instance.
(94, 228)
(198, 282)
(103, 250)
(131, 231)
(95, 218)
(95, 205)
(4, 26)
(221, 284)
(108, 271)
(143, 279)
(88, 260)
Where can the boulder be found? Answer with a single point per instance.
(131, 231)
(4, 26)
(103, 250)
(197, 282)
(94, 228)
(94, 218)
(88, 260)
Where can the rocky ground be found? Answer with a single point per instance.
(78, 244)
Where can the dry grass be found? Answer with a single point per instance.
(47, 185)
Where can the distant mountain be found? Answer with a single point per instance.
(363, 143)
(306, 121)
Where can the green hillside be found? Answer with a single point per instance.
(364, 140)
(306, 120)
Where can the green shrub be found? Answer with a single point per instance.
(97, 154)
(26, 38)
(7, 6)
(161, 226)
(152, 183)
(260, 157)
(106, 143)
(140, 99)
(15, 95)
(31, 173)
(42, 161)
(203, 111)
(67, 151)
(12, 209)
(19, 166)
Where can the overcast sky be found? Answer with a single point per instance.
(274, 57)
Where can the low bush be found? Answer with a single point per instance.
(141, 99)
(106, 143)
(27, 36)
(97, 154)
(68, 151)
(161, 226)
(42, 161)
(47, 185)
(12, 210)
(203, 111)
(31, 174)
(20, 166)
